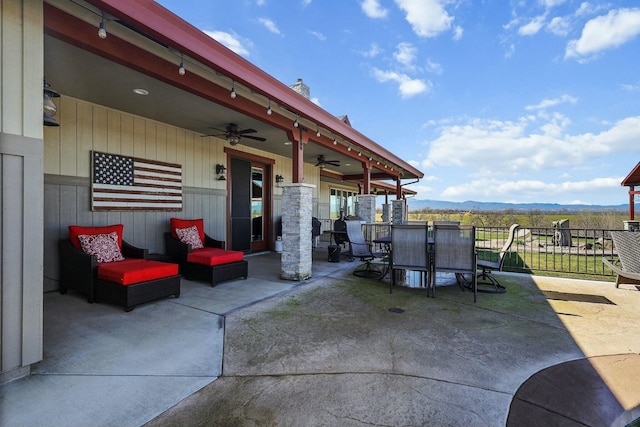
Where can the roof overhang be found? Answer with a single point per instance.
(145, 44)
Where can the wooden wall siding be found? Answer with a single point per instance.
(21, 189)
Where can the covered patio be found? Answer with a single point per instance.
(338, 350)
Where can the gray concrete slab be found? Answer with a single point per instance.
(331, 353)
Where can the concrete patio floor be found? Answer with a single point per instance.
(330, 351)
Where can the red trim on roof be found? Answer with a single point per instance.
(633, 179)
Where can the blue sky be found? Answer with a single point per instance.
(494, 101)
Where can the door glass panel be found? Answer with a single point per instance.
(257, 205)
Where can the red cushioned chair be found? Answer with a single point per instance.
(201, 257)
(97, 262)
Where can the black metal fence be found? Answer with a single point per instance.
(555, 250)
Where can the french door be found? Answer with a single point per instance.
(250, 205)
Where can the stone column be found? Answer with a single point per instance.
(399, 211)
(296, 257)
(386, 212)
(367, 207)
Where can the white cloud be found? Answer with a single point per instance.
(374, 50)
(428, 18)
(231, 41)
(605, 32)
(318, 35)
(457, 32)
(559, 26)
(527, 145)
(269, 25)
(434, 67)
(523, 190)
(551, 3)
(405, 54)
(532, 27)
(372, 9)
(407, 86)
(547, 103)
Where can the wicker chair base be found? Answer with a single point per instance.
(215, 274)
(139, 293)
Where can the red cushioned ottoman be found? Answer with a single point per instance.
(133, 270)
(214, 256)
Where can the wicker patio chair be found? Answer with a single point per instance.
(485, 277)
(627, 266)
(455, 252)
(410, 251)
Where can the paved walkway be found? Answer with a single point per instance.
(338, 350)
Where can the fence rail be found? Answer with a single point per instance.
(536, 249)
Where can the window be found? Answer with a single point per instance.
(342, 200)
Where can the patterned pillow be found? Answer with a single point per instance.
(103, 246)
(190, 236)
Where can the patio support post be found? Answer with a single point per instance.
(367, 207)
(297, 200)
(399, 211)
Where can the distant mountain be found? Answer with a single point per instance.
(416, 205)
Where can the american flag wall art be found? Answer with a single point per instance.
(130, 183)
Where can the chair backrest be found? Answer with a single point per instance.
(340, 225)
(627, 243)
(359, 246)
(507, 245)
(454, 248)
(409, 247)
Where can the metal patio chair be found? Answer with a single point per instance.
(360, 248)
(455, 252)
(485, 277)
(410, 251)
(627, 266)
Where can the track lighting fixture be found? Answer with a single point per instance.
(318, 131)
(269, 111)
(359, 153)
(349, 149)
(102, 30)
(335, 142)
(181, 69)
(295, 123)
(233, 90)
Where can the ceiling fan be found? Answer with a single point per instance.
(322, 162)
(233, 135)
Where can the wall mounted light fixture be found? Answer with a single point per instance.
(221, 171)
(279, 179)
(49, 109)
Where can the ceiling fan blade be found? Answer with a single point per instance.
(333, 162)
(257, 138)
(242, 132)
(219, 130)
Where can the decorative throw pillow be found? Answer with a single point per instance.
(190, 236)
(103, 246)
